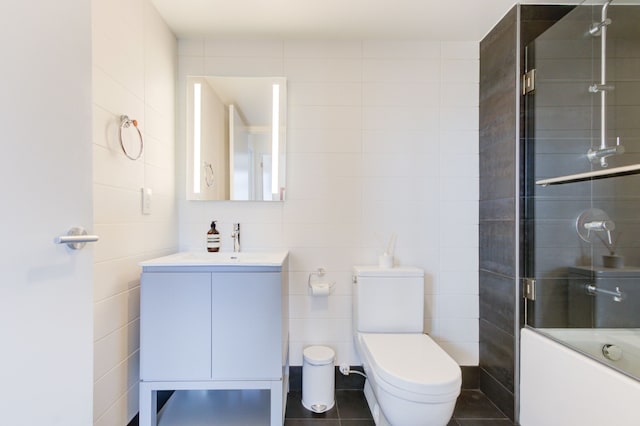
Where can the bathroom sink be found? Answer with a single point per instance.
(275, 258)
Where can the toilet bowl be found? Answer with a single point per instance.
(411, 381)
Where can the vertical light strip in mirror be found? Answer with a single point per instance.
(197, 135)
(275, 142)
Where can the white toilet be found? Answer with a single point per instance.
(411, 381)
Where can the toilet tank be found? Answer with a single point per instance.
(388, 300)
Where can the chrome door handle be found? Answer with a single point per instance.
(76, 238)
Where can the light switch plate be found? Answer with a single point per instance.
(146, 200)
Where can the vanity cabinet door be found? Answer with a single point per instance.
(175, 326)
(247, 326)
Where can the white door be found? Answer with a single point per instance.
(46, 319)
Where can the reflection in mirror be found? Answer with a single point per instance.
(236, 135)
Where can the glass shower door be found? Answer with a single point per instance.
(582, 227)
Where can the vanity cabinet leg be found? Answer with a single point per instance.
(148, 405)
(277, 404)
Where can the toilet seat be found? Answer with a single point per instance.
(411, 366)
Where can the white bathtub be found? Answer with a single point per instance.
(560, 386)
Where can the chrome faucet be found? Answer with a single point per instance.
(236, 237)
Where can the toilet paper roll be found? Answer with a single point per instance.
(320, 289)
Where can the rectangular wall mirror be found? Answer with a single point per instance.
(236, 138)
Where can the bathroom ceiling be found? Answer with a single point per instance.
(333, 19)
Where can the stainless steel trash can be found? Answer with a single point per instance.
(318, 378)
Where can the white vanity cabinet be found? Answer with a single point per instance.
(175, 326)
(213, 326)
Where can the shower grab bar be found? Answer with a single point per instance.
(592, 290)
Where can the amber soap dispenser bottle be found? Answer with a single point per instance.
(213, 238)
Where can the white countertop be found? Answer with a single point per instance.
(275, 258)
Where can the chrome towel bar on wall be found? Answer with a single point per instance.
(76, 238)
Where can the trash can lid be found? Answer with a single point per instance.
(318, 355)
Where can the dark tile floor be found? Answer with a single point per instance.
(472, 409)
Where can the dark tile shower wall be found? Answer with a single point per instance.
(501, 62)
(498, 231)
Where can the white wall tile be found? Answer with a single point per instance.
(460, 94)
(112, 96)
(191, 47)
(457, 306)
(464, 352)
(160, 179)
(116, 347)
(320, 329)
(189, 65)
(118, 240)
(137, 78)
(116, 312)
(322, 117)
(459, 258)
(326, 70)
(419, 141)
(459, 142)
(405, 118)
(322, 49)
(458, 282)
(453, 213)
(243, 66)
(243, 48)
(107, 390)
(461, 70)
(415, 95)
(400, 49)
(115, 205)
(115, 276)
(461, 235)
(307, 306)
(460, 50)
(459, 118)
(401, 70)
(320, 93)
(121, 59)
(345, 351)
(455, 188)
(326, 140)
(382, 138)
(460, 165)
(158, 153)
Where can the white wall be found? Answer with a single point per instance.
(382, 138)
(134, 62)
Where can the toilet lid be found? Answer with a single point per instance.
(412, 362)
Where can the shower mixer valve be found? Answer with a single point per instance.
(600, 225)
(594, 220)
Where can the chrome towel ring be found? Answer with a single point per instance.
(125, 123)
